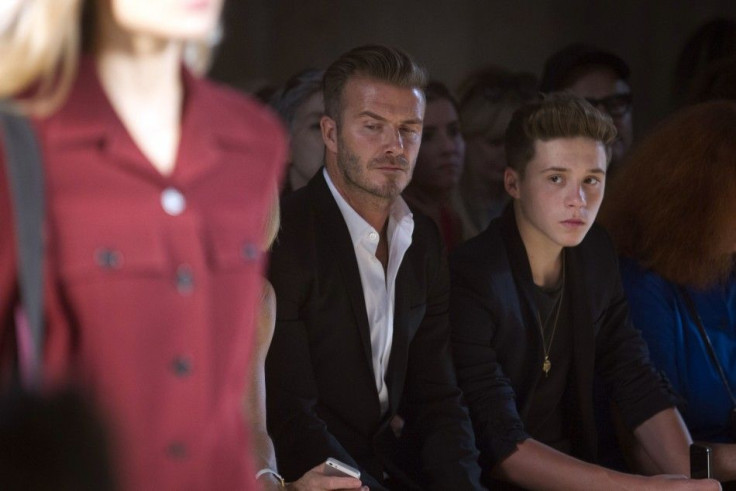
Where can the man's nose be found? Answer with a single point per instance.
(395, 141)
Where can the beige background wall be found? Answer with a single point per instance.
(268, 40)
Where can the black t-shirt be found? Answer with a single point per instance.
(548, 418)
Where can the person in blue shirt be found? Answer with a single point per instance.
(672, 215)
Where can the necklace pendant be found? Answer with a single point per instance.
(546, 366)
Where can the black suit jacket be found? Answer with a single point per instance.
(497, 346)
(321, 394)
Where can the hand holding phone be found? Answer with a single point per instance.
(332, 474)
(334, 467)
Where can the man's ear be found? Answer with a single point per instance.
(511, 181)
(329, 133)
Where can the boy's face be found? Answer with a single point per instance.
(557, 200)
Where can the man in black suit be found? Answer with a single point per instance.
(537, 309)
(362, 290)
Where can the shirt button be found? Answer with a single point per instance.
(173, 202)
(184, 280)
(373, 236)
(108, 258)
(181, 366)
(250, 252)
(177, 450)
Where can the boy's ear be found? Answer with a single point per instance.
(329, 133)
(511, 181)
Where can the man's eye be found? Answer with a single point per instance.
(592, 180)
(555, 179)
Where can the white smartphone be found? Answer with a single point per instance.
(334, 467)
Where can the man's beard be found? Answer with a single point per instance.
(354, 173)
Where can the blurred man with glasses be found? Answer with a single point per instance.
(600, 77)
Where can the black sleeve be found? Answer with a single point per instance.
(622, 357)
(488, 392)
(622, 360)
(448, 453)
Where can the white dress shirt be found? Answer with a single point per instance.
(378, 288)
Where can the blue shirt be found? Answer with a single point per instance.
(677, 348)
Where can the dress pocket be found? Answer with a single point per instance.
(96, 248)
(232, 243)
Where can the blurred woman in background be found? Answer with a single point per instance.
(300, 104)
(439, 164)
(488, 98)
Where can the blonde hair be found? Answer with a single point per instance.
(40, 49)
(273, 222)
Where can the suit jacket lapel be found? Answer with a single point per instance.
(331, 224)
(396, 371)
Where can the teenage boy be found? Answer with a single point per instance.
(537, 309)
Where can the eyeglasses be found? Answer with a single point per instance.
(616, 105)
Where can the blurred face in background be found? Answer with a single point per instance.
(609, 93)
(441, 155)
(486, 157)
(307, 147)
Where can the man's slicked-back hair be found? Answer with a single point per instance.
(382, 63)
(558, 115)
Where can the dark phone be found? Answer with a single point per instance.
(700, 461)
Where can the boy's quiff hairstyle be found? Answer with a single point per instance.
(558, 115)
(382, 63)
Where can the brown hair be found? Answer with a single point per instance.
(673, 207)
(558, 115)
(437, 91)
(383, 63)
